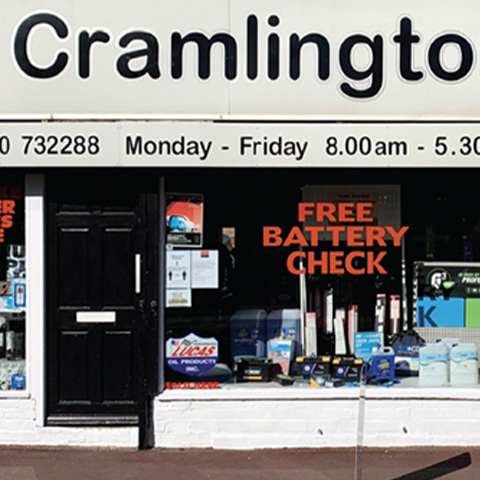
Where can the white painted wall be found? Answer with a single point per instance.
(320, 419)
(289, 421)
(18, 427)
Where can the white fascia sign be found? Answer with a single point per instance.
(228, 58)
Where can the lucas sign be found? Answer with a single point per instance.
(192, 354)
(369, 58)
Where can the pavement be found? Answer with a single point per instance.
(24, 463)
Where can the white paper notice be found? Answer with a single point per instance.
(204, 268)
(178, 269)
(179, 297)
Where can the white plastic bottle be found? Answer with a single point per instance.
(464, 364)
(433, 361)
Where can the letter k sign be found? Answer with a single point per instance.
(426, 317)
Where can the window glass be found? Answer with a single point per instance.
(12, 284)
(323, 271)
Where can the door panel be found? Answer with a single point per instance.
(96, 364)
(73, 356)
(73, 275)
(117, 361)
(118, 267)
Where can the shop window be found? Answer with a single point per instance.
(12, 284)
(261, 298)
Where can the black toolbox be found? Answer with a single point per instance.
(306, 366)
(257, 370)
(347, 367)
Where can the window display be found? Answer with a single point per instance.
(318, 282)
(13, 295)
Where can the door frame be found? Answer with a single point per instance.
(151, 355)
(36, 330)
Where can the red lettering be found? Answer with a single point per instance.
(295, 237)
(16, 192)
(354, 237)
(290, 263)
(373, 263)
(314, 231)
(6, 221)
(396, 236)
(8, 206)
(313, 262)
(336, 262)
(271, 236)
(325, 210)
(346, 212)
(349, 263)
(364, 211)
(182, 352)
(335, 234)
(304, 209)
(375, 234)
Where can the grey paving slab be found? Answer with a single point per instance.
(306, 464)
(17, 473)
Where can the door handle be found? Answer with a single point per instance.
(141, 305)
(138, 273)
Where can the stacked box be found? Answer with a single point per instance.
(347, 368)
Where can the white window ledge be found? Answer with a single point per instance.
(407, 389)
(13, 394)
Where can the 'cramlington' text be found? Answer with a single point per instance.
(141, 53)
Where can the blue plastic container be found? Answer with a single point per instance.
(383, 364)
(248, 333)
(285, 323)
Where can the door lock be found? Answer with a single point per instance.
(154, 306)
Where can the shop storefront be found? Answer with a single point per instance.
(218, 222)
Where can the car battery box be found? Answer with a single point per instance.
(306, 366)
(347, 368)
(257, 370)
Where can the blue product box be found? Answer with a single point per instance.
(285, 323)
(440, 312)
(365, 343)
(17, 382)
(19, 295)
(248, 333)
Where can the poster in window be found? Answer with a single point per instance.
(179, 297)
(184, 219)
(178, 269)
(205, 269)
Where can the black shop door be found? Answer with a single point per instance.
(102, 293)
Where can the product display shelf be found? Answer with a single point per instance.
(14, 313)
(12, 363)
(9, 368)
